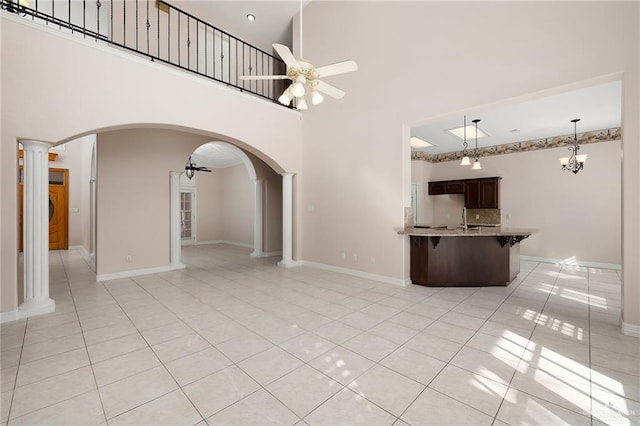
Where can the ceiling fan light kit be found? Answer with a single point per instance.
(305, 77)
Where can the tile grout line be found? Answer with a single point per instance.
(73, 299)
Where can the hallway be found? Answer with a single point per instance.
(234, 340)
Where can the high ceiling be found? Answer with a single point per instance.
(273, 23)
(598, 107)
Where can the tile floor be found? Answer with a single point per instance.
(232, 340)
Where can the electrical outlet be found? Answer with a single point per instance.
(128, 258)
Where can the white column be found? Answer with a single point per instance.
(257, 218)
(36, 230)
(287, 221)
(175, 253)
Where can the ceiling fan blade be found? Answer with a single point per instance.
(263, 77)
(337, 68)
(286, 55)
(330, 90)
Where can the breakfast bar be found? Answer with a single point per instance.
(479, 256)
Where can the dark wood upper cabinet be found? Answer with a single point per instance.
(446, 187)
(483, 193)
(472, 194)
(490, 193)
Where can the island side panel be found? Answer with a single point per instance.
(461, 261)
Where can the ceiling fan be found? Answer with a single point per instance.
(191, 169)
(305, 77)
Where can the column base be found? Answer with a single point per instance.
(174, 266)
(288, 263)
(257, 253)
(33, 307)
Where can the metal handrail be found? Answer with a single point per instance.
(163, 33)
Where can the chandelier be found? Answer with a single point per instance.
(575, 162)
(476, 163)
(465, 155)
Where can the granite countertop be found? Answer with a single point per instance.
(490, 231)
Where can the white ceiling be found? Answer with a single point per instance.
(598, 107)
(215, 156)
(273, 23)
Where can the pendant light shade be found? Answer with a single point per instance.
(476, 165)
(466, 161)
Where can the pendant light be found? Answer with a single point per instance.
(465, 155)
(476, 163)
(575, 163)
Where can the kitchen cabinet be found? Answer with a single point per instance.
(446, 187)
(483, 193)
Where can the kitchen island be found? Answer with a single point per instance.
(481, 256)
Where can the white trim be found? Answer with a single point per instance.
(402, 282)
(289, 264)
(9, 316)
(138, 272)
(231, 243)
(85, 252)
(272, 253)
(630, 329)
(189, 242)
(615, 266)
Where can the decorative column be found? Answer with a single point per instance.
(36, 230)
(287, 221)
(175, 253)
(257, 218)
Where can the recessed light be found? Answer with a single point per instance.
(251, 17)
(471, 132)
(418, 143)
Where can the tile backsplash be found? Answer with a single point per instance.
(483, 216)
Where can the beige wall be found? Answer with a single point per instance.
(567, 209)
(225, 205)
(133, 196)
(434, 59)
(208, 206)
(76, 157)
(89, 87)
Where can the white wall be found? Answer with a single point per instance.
(423, 60)
(568, 210)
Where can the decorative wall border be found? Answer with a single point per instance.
(606, 135)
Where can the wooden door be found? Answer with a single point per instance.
(58, 209)
(58, 218)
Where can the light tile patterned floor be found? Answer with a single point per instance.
(234, 340)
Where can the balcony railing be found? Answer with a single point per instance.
(163, 33)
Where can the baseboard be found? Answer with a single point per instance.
(137, 272)
(231, 243)
(9, 316)
(630, 329)
(599, 265)
(266, 254)
(355, 273)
